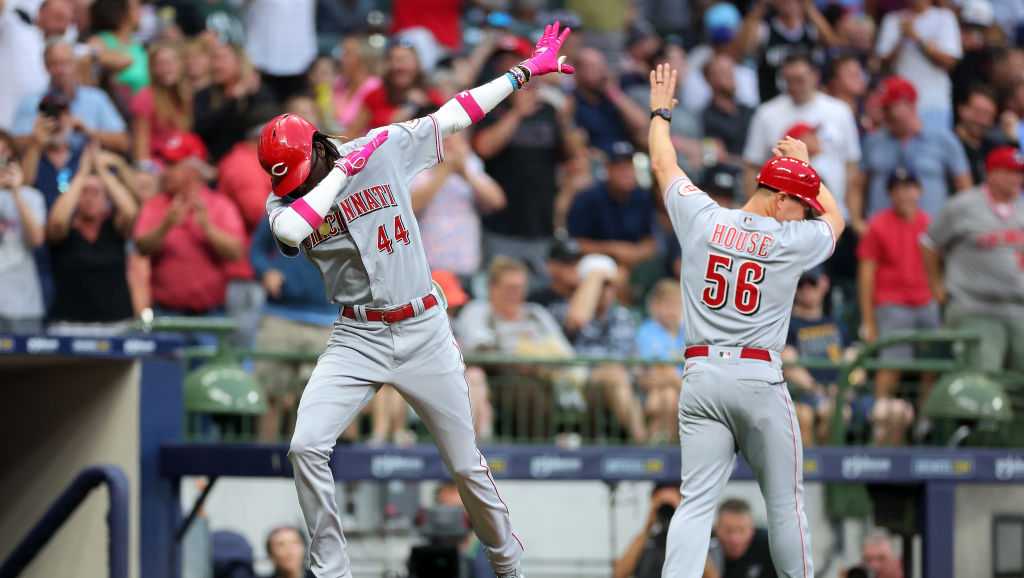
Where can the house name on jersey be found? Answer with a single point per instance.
(367, 201)
(750, 242)
(332, 226)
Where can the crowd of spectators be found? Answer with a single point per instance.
(129, 179)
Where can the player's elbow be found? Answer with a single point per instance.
(290, 229)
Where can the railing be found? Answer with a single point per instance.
(531, 406)
(65, 505)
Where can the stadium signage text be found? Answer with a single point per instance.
(861, 466)
(548, 466)
(392, 466)
(1009, 468)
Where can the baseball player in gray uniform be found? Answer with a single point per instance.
(739, 276)
(347, 207)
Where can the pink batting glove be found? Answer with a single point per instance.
(545, 57)
(354, 161)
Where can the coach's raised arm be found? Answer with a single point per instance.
(664, 163)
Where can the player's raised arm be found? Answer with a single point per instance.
(664, 163)
(791, 147)
(292, 223)
(469, 106)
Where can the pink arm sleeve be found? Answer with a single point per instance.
(469, 106)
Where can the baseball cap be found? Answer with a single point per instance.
(1006, 158)
(451, 287)
(902, 176)
(897, 89)
(800, 129)
(596, 262)
(977, 13)
(181, 146)
(515, 44)
(621, 151)
(722, 20)
(812, 275)
(639, 31)
(564, 250)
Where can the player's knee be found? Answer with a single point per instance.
(302, 448)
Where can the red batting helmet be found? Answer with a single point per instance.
(792, 177)
(286, 151)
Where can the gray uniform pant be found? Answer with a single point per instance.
(420, 357)
(729, 404)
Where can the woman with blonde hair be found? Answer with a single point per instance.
(164, 108)
(357, 78)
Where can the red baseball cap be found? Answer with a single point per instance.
(800, 129)
(897, 89)
(1006, 158)
(516, 44)
(181, 146)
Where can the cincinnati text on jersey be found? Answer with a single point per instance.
(750, 242)
(332, 226)
(367, 201)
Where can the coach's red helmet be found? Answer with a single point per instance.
(793, 177)
(286, 151)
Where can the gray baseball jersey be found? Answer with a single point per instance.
(371, 238)
(983, 250)
(740, 270)
(740, 273)
(369, 251)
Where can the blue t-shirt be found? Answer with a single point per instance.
(594, 214)
(934, 155)
(602, 122)
(821, 338)
(90, 104)
(302, 297)
(654, 342)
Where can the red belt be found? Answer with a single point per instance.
(745, 353)
(393, 315)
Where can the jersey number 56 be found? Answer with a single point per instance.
(747, 298)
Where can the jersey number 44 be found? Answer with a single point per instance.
(720, 277)
(401, 234)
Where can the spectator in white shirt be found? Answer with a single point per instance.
(281, 43)
(21, 51)
(802, 102)
(922, 44)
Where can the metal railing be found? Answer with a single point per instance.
(65, 504)
(531, 406)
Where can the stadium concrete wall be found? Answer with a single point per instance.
(62, 415)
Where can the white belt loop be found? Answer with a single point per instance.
(417, 306)
(360, 311)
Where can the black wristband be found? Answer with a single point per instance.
(665, 113)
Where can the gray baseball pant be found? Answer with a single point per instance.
(729, 404)
(420, 358)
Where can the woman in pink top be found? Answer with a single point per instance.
(164, 108)
(357, 63)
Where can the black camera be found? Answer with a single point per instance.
(859, 572)
(53, 105)
(444, 527)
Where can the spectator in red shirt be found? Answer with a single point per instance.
(163, 108)
(404, 91)
(892, 280)
(242, 181)
(440, 17)
(189, 233)
(240, 177)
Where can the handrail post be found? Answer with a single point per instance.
(65, 505)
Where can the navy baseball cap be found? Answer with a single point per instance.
(902, 176)
(621, 151)
(565, 250)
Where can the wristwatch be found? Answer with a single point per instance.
(665, 113)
